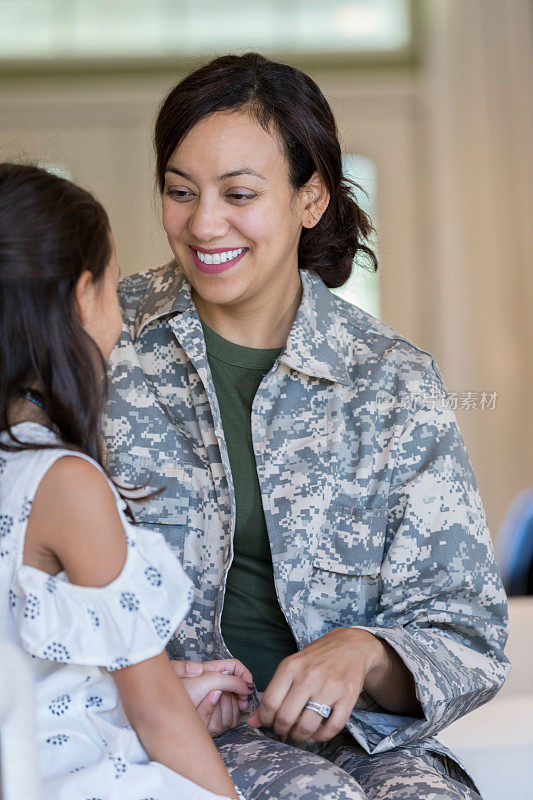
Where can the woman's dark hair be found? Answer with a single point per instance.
(286, 100)
(50, 232)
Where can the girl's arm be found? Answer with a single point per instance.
(74, 525)
(167, 724)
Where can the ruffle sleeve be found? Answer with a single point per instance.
(125, 622)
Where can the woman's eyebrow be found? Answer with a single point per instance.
(233, 174)
(177, 171)
(240, 171)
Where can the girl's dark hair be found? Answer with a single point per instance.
(285, 99)
(50, 232)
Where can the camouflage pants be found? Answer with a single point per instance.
(264, 768)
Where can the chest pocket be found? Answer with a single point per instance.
(171, 477)
(352, 541)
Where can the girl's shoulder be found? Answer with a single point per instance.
(49, 489)
(76, 520)
(23, 469)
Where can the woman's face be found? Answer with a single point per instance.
(232, 218)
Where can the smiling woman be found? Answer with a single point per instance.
(330, 492)
(233, 221)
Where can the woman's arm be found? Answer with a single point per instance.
(442, 608)
(388, 681)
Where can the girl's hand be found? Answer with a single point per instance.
(228, 666)
(232, 666)
(218, 689)
(220, 712)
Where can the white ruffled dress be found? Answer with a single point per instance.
(86, 748)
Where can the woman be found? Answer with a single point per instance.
(315, 484)
(91, 597)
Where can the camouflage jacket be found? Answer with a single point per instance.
(371, 506)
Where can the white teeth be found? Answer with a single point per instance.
(219, 258)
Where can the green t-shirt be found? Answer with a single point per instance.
(253, 625)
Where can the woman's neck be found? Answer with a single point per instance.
(263, 322)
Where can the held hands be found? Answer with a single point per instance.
(331, 670)
(218, 689)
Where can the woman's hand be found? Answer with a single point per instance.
(333, 670)
(219, 690)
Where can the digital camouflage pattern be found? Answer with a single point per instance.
(340, 770)
(371, 506)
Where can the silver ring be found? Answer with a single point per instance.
(320, 708)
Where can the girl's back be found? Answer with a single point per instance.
(76, 633)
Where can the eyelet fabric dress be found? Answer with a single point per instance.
(86, 748)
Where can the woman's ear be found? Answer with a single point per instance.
(84, 297)
(316, 200)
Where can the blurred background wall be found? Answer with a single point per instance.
(434, 105)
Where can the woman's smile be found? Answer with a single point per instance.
(217, 260)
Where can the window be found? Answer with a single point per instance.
(33, 29)
(362, 287)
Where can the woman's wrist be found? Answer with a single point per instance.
(381, 664)
(389, 681)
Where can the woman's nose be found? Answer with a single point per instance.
(207, 222)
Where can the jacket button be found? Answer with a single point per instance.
(225, 554)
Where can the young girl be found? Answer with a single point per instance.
(93, 598)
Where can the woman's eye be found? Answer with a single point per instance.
(241, 197)
(179, 194)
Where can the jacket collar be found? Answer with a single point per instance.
(167, 293)
(316, 345)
